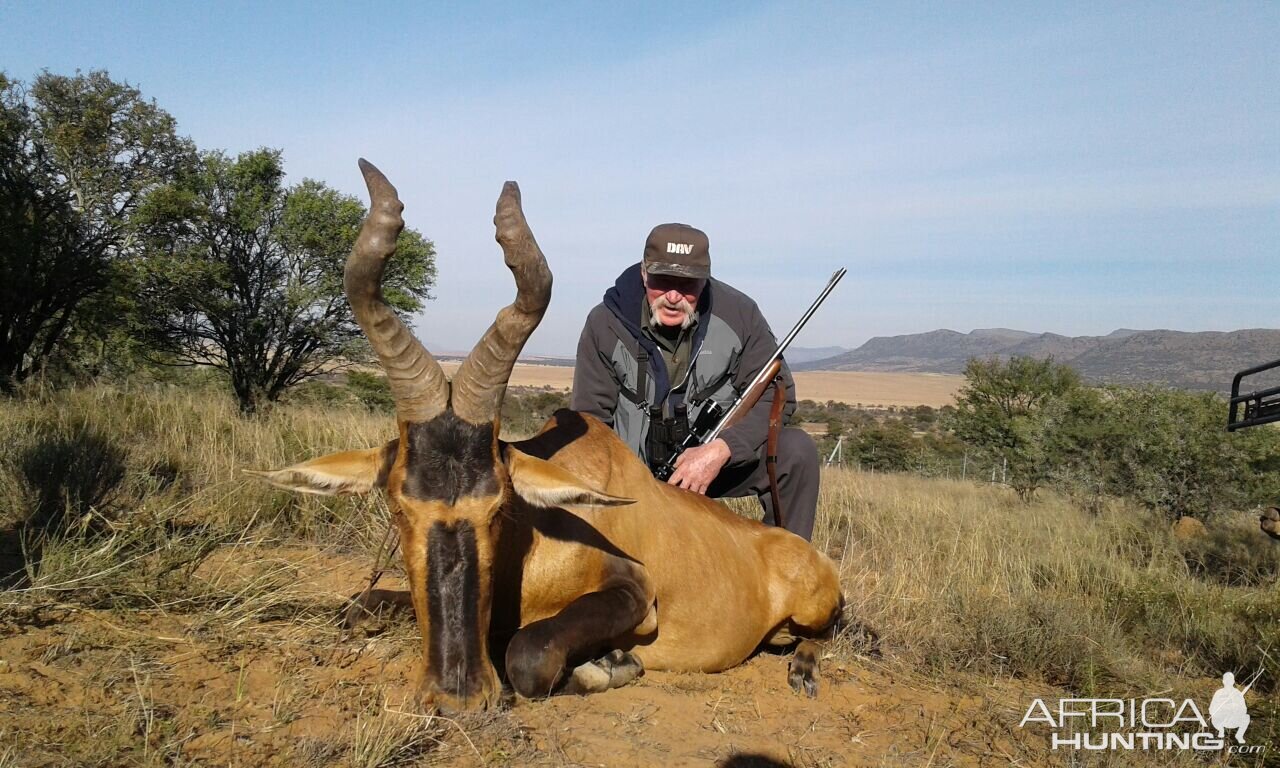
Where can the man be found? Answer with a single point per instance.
(666, 342)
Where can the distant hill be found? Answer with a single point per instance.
(799, 355)
(1203, 360)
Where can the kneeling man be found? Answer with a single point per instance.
(667, 341)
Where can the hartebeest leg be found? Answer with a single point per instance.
(802, 672)
(539, 654)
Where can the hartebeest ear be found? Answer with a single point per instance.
(347, 472)
(544, 484)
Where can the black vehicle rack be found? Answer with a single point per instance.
(1260, 407)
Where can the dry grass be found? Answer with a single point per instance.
(392, 737)
(959, 575)
(149, 518)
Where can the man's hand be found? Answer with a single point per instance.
(698, 466)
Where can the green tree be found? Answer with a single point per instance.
(887, 448)
(942, 454)
(1076, 437)
(1173, 453)
(245, 274)
(996, 410)
(1261, 446)
(77, 156)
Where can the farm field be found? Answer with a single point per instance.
(879, 390)
(179, 613)
(873, 390)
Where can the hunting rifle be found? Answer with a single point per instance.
(714, 419)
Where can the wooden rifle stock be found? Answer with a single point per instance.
(753, 395)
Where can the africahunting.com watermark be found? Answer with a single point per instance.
(1150, 723)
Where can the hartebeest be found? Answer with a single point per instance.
(562, 547)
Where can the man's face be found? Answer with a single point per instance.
(672, 300)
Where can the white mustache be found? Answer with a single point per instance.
(661, 302)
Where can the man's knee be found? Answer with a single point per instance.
(796, 449)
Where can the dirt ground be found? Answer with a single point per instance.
(218, 686)
(878, 390)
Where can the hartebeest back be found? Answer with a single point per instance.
(560, 550)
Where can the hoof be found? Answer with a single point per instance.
(623, 667)
(612, 671)
(802, 673)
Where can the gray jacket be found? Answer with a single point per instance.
(731, 343)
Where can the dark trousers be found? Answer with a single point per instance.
(797, 482)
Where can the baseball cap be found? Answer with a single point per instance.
(677, 249)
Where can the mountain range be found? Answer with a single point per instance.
(1204, 360)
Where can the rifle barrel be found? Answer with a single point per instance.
(786, 342)
(831, 284)
(1252, 680)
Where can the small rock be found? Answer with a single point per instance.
(1270, 522)
(1189, 529)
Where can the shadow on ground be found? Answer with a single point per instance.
(67, 478)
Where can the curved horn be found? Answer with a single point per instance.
(481, 380)
(418, 386)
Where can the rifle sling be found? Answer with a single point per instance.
(642, 370)
(771, 446)
(710, 389)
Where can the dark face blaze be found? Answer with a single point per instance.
(454, 650)
(448, 495)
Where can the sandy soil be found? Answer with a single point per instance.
(854, 387)
(81, 686)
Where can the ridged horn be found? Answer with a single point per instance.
(418, 386)
(481, 380)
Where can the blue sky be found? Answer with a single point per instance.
(1072, 169)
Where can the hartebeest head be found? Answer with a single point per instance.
(447, 476)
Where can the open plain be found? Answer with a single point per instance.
(868, 389)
